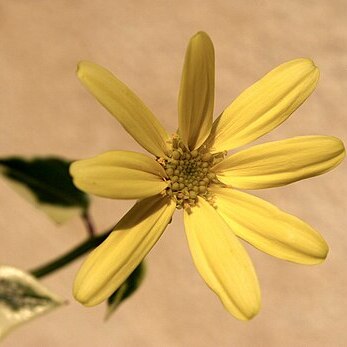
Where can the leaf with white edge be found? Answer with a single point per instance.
(47, 184)
(22, 298)
(129, 286)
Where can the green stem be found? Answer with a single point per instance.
(87, 220)
(70, 256)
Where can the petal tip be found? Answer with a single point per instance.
(305, 66)
(85, 69)
(72, 168)
(249, 312)
(309, 64)
(79, 294)
(83, 299)
(319, 253)
(323, 253)
(341, 146)
(201, 34)
(80, 68)
(84, 292)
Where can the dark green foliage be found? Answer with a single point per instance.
(129, 286)
(47, 178)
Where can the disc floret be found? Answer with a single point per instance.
(189, 173)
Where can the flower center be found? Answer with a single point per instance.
(189, 173)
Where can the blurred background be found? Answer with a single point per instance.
(44, 111)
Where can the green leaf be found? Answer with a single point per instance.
(22, 298)
(46, 183)
(129, 286)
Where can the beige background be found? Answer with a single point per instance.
(44, 110)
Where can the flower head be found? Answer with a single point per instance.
(190, 171)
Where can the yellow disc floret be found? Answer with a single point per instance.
(189, 173)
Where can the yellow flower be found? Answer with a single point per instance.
(190, 171)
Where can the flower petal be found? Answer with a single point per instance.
(278, 163)
(222, 261)
(123, 104)
(196, 97)
(119, 175)
(268, 228)
(110, 264)
(264, 105)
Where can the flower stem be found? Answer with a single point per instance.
(70, 256)
(88, 223)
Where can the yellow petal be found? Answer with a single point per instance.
(222, 261)
(196, 97)
(110, 264)
(119, 175)
(264, 105)
(268, 228)
(123, 104)
(281, 162)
